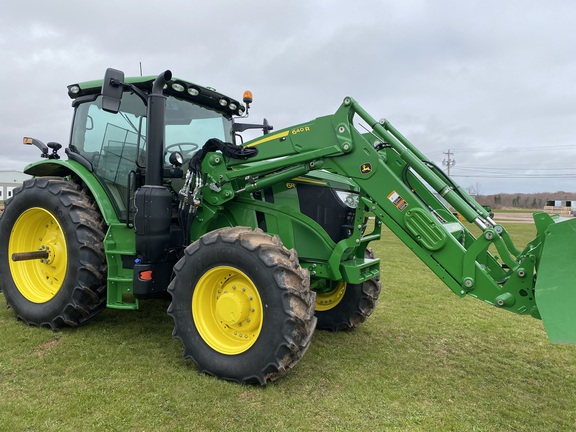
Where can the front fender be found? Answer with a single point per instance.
(65, 168)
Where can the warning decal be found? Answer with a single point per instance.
(398, 201)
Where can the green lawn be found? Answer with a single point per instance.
(426, 360)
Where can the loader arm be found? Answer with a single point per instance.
(400, 187)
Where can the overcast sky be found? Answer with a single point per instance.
(494, 82)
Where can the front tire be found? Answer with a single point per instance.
(347, 306)
(242, 306)
(68, 286)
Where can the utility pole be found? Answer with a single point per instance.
(449, 161)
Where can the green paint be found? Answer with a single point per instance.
(393, 181)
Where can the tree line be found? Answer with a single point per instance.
(523, 201)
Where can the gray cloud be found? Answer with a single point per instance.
(492, 81)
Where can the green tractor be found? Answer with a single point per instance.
(257, 243)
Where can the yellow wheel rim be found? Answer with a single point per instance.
(227, 310)
(38, 280)
(326, 301)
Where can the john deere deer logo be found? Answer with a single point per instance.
(366, 168)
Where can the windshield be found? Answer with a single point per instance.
(115, 144)
(189, 126)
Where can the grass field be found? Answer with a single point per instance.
(424, 361)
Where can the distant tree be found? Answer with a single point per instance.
(526, 201)
(474, 190)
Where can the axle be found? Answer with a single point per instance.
(26, 256)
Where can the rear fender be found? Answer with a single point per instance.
(65, 168)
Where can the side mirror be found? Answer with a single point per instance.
(112, 89)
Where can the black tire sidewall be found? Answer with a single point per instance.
(44, 198)
(275, 323)
(356, 305)
(337, 318)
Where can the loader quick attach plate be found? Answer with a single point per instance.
(556, 282)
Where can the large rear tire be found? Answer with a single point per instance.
(347, 306)
(68, 286)
(242, 305)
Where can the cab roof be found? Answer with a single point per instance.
(205, 96)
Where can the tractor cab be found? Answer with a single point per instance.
(113, 145)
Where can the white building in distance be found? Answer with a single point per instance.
(9, 180)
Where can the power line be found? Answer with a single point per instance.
(448, 163)
(504, 176)
(509, 169)
(518, 149)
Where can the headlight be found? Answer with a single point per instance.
(349, 199)
(176, 159)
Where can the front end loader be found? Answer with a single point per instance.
(257, 243)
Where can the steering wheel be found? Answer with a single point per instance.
(186, 148)
(183, 147)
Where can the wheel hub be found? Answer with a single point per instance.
(233, 307)
(329, 300)
(227, 310)
(38, 280)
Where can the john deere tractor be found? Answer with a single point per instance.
(258, 242)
